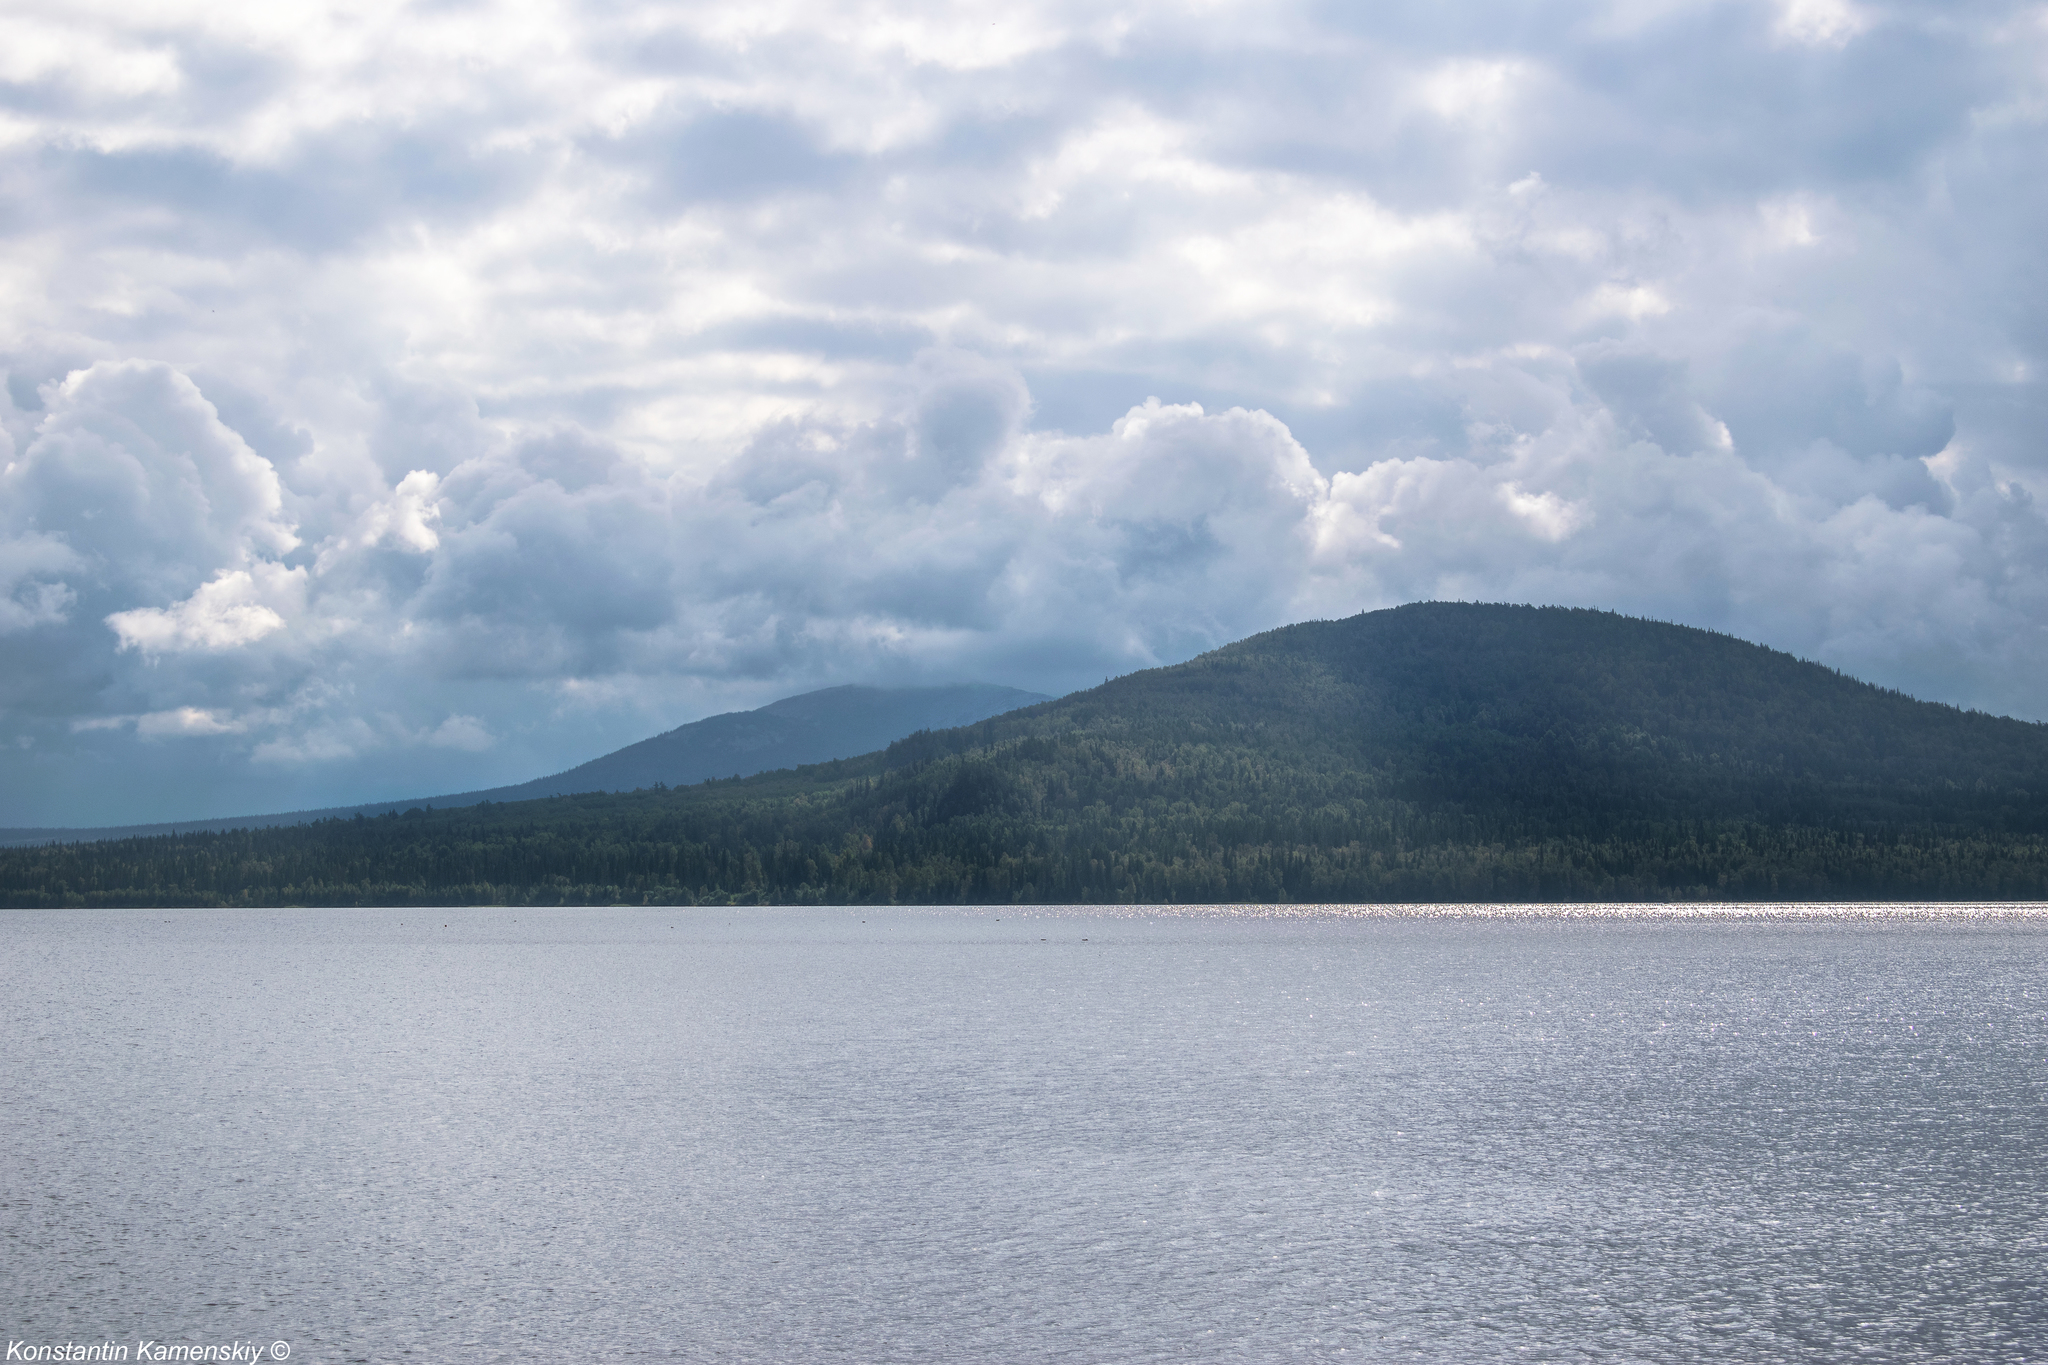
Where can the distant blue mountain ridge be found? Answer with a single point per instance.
(816, 727)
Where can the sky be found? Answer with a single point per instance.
(408, 398)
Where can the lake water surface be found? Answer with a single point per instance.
(921, 1135)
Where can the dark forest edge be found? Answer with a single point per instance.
(1436, 752)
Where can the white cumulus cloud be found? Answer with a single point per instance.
(238, 607)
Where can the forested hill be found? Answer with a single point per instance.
(1438, 751)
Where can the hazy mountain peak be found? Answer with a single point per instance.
(811, 727)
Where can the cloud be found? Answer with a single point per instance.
(405, 519)
(1822, 23)
(32, 590)
(234, 609)
(184, 720)
(461, 732)
(133, 473)
(414, 400)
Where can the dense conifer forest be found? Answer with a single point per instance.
(1434, 752)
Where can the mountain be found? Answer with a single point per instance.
(1439, 751)
(837, 722)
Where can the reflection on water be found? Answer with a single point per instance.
(903, 1135)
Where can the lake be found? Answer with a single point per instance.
(1079, 1135)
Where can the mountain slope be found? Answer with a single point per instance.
(814, 727)
(1432, 752)
(838, 722)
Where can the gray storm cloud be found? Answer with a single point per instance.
(454, 393)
